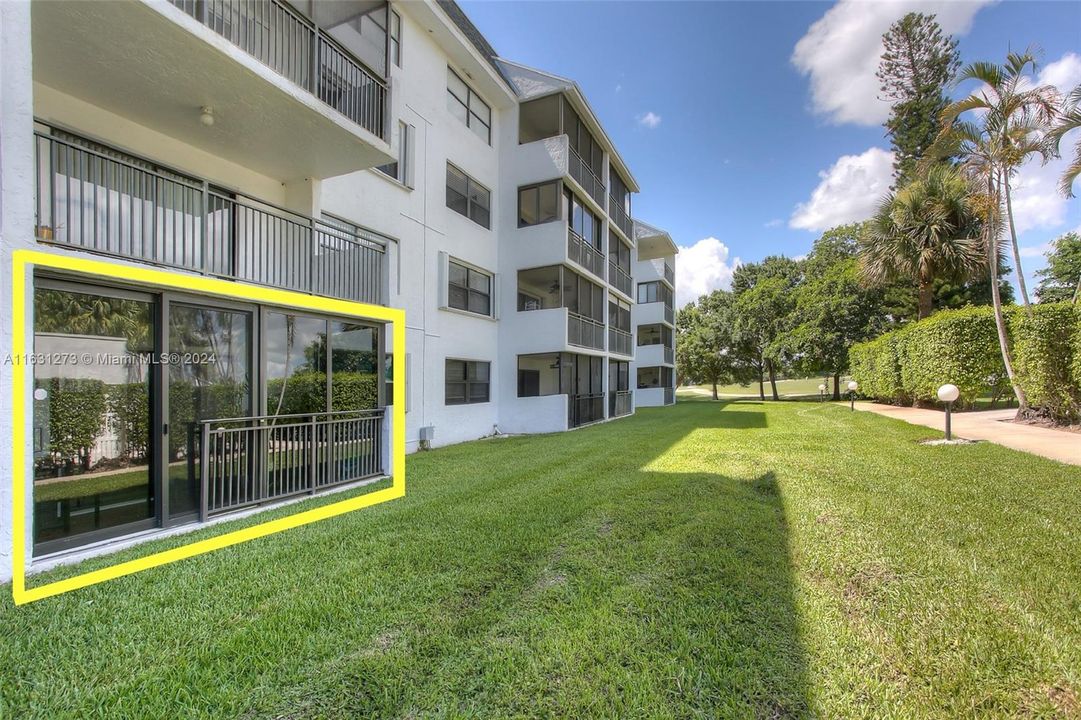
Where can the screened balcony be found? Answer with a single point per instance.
(555, 286)
(94, 198)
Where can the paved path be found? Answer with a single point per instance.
(992, 426)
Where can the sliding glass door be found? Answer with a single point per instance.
(94, 388)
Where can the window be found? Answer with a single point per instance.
(396, 38)
(538, 204)
(654, 335)
(402, 169)
(468, 197)
(654, 377)
(619, 253)
(470, 290)
(539, 119)
(467, 382)
(467, 106)
(619, 315)
(582, 220)
(654, 291)
(619, 190)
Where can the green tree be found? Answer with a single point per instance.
(833, 311)
(1069, 119)
(700, 351)
(926, 231)
(918, 62)
(763, 314)
(1013, 123)
(1060, 281)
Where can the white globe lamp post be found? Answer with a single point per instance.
(948, 394)
(821, 391)
(853, 386)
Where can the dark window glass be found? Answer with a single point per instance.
(539, 119)
(470, 289)
(539, 288)
(538, 204)
(467, 382)
(467, 106)
(468, 197)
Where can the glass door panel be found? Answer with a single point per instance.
(210, 376)
(92, 412)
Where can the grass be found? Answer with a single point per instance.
(706, 560)
(796, 387)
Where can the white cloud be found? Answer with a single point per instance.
(848, 191)
(703, 268)
(1064, 73)
(649, 120)
(841, 50)
(1034, 251)
(1037, 203)
(775, 222)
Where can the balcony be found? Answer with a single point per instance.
(288, 101)
(670, 274)
(669, 355)
(656, 269)
(253, 460)
(620, 403)
(653, 354)
(669, 396)
(581, 252)
(585, 409)
(620, 279)
(620, 217)
(619, 342)
(652, 313)
(584, 332)
(585, 177)
(91, 201)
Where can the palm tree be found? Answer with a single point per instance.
(927, 230)
(1069, 119)
(979, 152)
(1015, 116)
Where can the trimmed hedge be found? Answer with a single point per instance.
(961, 346)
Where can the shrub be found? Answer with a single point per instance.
(961, 346)
(76, 410)
(1045, 353)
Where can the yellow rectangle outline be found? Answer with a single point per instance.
(212, 286)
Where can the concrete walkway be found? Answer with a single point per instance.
(992, 426)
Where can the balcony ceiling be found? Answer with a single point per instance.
(158, 67)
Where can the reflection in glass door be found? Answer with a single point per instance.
(210, 376)
(93, 449)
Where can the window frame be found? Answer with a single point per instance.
(558, 185)
(465, 382)
(394, 37)
(469, 102)
(468, 289)
(470, 185)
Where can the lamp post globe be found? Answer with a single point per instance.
(853, 386)
(821, 391)
(948, 393)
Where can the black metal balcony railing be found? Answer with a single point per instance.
(620, 279)
(620, 217)
(287, 42)
(585, 409)
(620, 402)
(669, 395)
(669, 355)
(585, 332)
(252, 460)
(585, 176)
(581, 252)
(619, 341)
(669, 274)
(91, 201)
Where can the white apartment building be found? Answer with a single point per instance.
(366, 151)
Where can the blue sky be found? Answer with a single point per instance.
(752, 126)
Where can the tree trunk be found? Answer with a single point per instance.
(1000, 321)
(926, 295)
(1016, 249)
(714, 389)
(761, 384)
(837, 386)
(773, 380)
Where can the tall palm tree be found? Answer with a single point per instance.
(927, 230)
(1069, 119)
(979, 153)
(1015, 115)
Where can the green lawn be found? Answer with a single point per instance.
(707, 560)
